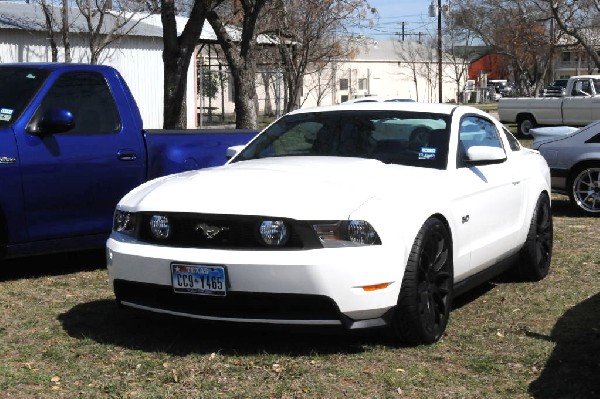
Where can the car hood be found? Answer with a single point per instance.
(295, 187)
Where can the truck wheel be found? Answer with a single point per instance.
(525, 123)
(584, 188)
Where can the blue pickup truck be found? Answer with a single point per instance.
(72, 144)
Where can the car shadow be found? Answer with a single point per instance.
(52, 265)
(105, 322)
(573, 368)
(474, 293)
(562, 207)
(108, 323)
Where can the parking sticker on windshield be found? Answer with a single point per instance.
(427, 153)
(5, 114)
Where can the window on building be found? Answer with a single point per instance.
(344, 84)
(362, 84)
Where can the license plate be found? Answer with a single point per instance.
(198, 279)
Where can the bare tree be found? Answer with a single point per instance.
(458, 51)
(65, 30)
(177, 54)
(106, 25)
(322, 81)
(419, 59)
(52, 25)
(240, 49)
(267, 81)
(579, 20)
(310, 32)
(515, 28)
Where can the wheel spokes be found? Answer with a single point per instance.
(586, 190)
(434, 282)
(543, 242)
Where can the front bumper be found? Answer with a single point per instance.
(304, 287)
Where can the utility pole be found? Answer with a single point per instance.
(402, 34)
(436, 11)
(439, 50)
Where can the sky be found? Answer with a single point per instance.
(413, 13)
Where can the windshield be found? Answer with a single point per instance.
(395, 137)
(18, 85)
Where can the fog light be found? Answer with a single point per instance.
(160, 227)
(273, 232)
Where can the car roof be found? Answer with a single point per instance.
(445, 108)
(53, 66)
(367, 99)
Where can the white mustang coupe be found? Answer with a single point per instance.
(356, 215)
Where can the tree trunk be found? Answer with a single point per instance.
(267, 86)
(241, 57)
(177, 54)
(65, 30)
(175, 75)
(245, 109)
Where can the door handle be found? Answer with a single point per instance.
(126, 156)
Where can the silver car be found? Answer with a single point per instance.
(574, 160)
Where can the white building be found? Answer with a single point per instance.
(392, 68)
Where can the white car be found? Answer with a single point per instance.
(364, 215)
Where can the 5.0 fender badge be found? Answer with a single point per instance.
(210, 231)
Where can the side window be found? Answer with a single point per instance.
(514, 144)
(594, 139)
(596, 86)
(477, 131)
(88, 97)
(581, 88)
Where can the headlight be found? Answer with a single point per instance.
(361, 232)
(273, 233)
(346, 233)
(124, 222)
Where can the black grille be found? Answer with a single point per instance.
(243, 305)
(235, 232)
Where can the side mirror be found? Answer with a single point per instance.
(55, 120)
(484, 154)
(234, 150)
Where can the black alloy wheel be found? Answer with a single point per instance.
(536, 254)
(425, 299)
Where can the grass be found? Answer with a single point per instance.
(62, 336)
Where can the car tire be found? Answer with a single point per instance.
(584, 189)
(425, 298)
(524, 124)
(536, 254)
